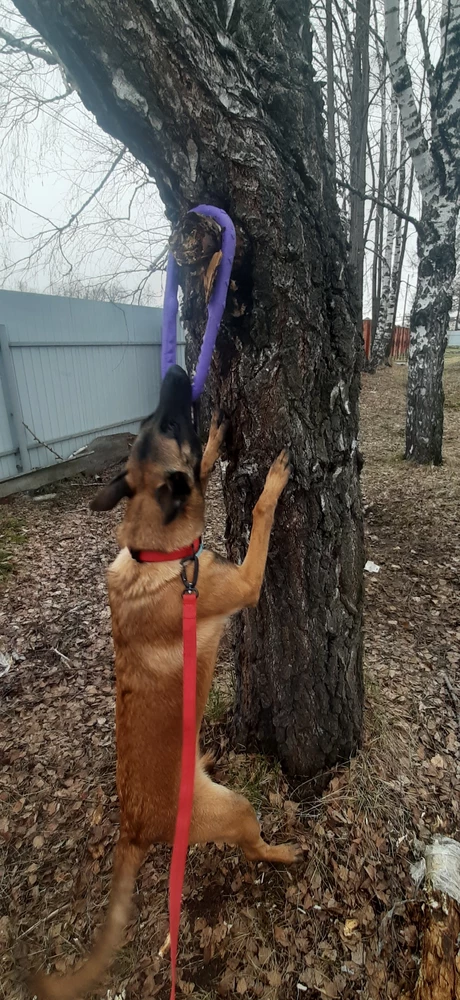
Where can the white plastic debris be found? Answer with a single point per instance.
(45, 496)
(441, 866)
(6, 663)
(371, 567)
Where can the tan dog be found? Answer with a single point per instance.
(165, 481)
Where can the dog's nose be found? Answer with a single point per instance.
(176, 393)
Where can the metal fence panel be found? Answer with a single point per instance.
(79, 369)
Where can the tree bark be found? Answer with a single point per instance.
(439, 869)
(439, 976)
(429, 329)
(219, 101)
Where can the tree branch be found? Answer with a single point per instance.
(425, 44)
(21, 45)
(390, 206)
(96, 191)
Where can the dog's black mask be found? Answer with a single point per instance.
(172, 418)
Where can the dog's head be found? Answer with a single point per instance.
(162, 476)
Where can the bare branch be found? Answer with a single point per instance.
(96, 191)
(390, 206)
(22, 45)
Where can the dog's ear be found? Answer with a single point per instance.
(110, 495)
(172, 495)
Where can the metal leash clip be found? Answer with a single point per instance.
(190, 585)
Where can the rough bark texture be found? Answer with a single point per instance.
(429, 329)
(439, 976)
(436, 166)
(218, 100)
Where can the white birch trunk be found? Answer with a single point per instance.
(438, 176)
(384, 330)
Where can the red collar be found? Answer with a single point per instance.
(150, 555)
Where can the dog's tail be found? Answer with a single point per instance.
(128, 859)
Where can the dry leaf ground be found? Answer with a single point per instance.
(345, 923)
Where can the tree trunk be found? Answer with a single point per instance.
(403, 246)
(330, 87)
(439, 976)
(439, 869)
(436, 169)
(384, 332)
(379, 217)
(396, 267)
(358, 143)
(219, 101)
(429, 327)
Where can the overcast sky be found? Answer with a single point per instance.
(53, 158)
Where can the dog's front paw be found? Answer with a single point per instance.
(217, 433)
(277, 477)
(219, 428)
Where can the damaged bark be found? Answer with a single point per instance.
(439, 868)
(219, 101)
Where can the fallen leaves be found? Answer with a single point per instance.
(345, 922)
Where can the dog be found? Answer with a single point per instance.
(165, 482)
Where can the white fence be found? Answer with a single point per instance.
(71, 369)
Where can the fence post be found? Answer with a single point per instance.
(13, 402)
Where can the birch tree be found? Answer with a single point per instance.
(359, 106)
(384, 331)
(219, 102)
(435, 158)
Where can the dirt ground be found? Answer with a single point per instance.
(345, 922)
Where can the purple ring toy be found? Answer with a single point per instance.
(216, 304)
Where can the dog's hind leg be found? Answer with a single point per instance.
(221, 815)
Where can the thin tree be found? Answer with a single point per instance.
(383, 333)
(219, 102)
(359, 107)
(436, 166)
(379, 214)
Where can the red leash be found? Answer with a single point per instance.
(187, 777)
(187, 774)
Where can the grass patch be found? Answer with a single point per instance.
(12, 534)
(255, 776)
(219, 702)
